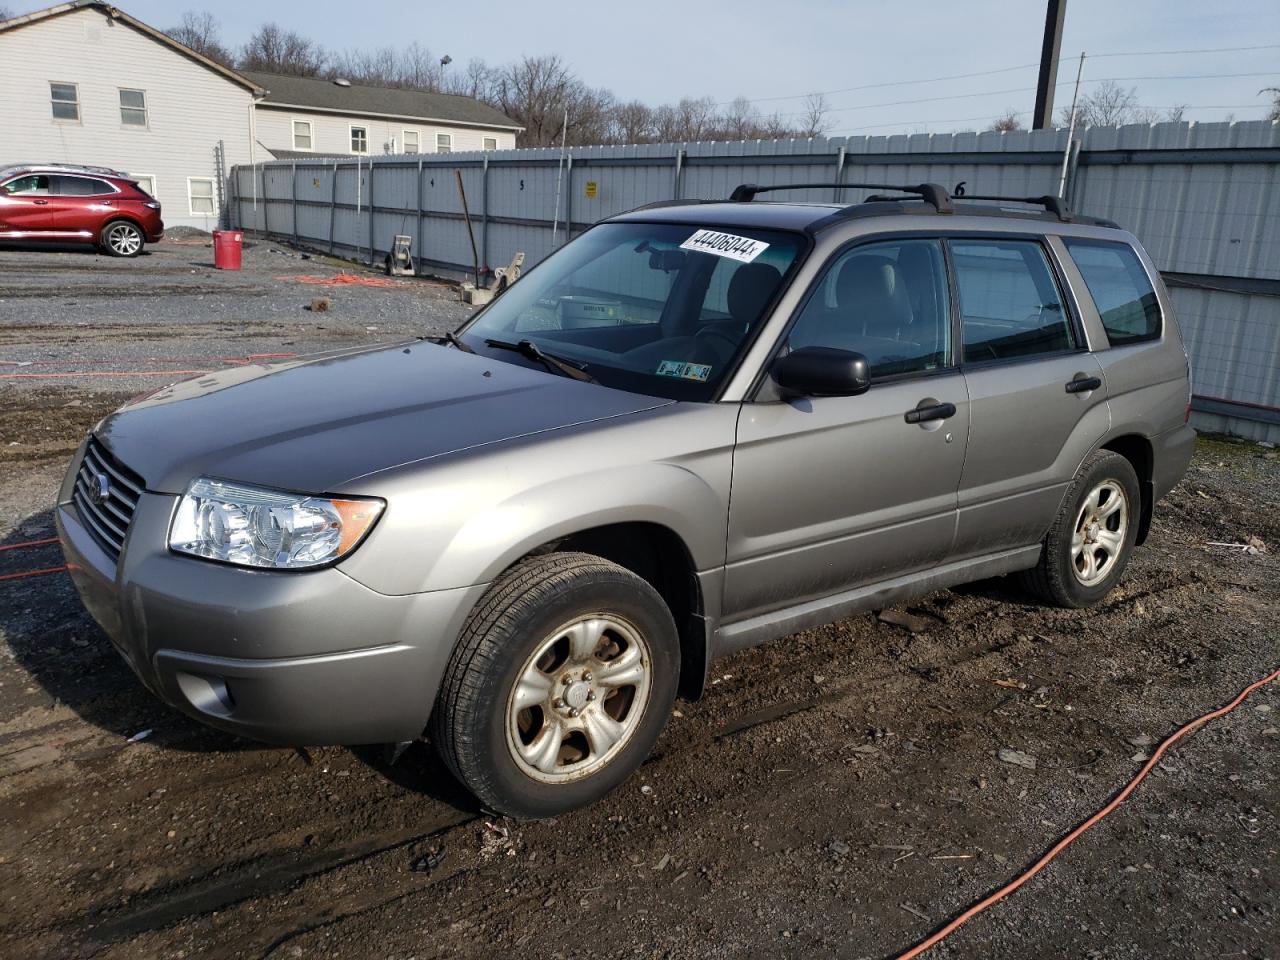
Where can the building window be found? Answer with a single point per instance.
(491, 143)
(146, 183)
(444, 143)
(359, 140)
(200, 196)
(66, 101)
(302, 134)
(133, 108)
(410, 141)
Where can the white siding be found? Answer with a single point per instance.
(331, 132)
(189, 107)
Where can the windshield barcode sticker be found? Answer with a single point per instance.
(728, 245)
(684, 370)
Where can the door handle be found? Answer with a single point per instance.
(40, 203)
(1083, 384)
(935, 411)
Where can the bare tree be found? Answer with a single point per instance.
(633, 123)
(815, 120)
(1107, 106)
(274, 49)
(1176, 113)
(1274, 112)
(1007, 123)
(6, 13)
(203, 34)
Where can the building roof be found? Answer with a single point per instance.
(115, 13)
(313, 93)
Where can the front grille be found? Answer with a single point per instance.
(107, 517)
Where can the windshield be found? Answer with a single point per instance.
(658, 309)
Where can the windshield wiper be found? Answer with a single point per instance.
(527, 348)
(455, 341)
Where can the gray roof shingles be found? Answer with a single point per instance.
(366, 100)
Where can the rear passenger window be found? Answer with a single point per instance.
(79, 187)
(1120, 289)
(887, 301)
(1009, 302)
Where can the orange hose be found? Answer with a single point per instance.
(28, 543)
(31, 573)
(100, 373)
(950, 928)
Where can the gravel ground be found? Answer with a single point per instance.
(77, 316)
(836, 793)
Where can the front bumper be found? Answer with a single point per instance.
(302, 659)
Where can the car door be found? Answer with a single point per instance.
(79, 205)
(24, 205)
(830, 493)
(1037, 396)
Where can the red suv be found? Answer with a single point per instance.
(78, 204)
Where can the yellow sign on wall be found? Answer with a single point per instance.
(593, 189)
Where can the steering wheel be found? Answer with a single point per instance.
(709, 337)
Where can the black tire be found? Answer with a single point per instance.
(122, 238)
(1054, 579)
(523, 607)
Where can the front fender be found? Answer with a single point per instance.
(462, 522)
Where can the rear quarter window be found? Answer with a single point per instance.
(1120, 289)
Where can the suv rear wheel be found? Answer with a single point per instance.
(558, 689)
(1089, 544)
(122, 239)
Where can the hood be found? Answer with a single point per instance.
(317, 423)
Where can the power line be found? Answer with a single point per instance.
(988, 73)
(1027, 113)
(996, 93)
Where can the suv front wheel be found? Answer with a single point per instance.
(1089, 544)
(558, 689)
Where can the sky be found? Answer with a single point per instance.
(775, 52)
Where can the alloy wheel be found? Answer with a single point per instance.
(124, 240)
(1099, 536)
(578, 699)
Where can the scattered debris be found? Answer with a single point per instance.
(429, 861)
(140, 735)
(1011, 684)
(914, 912)
(662, 864)
(910, 621)
(1252, 546)
(495, 840)
(646, 790)
(1016, 757)
(320, 305)
(839, 848)
(1141, 740)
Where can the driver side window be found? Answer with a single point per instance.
(32, 185)
(887, 301)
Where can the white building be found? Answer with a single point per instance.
(84, 82)
(303, 116)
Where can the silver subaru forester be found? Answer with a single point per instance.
(696, 427)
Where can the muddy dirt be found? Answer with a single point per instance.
(835, 794)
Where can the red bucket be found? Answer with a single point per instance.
(227, 245)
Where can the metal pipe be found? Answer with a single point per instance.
(466, 215)
(1071, 130)
(1050, 49)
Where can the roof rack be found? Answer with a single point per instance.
(933, 194)
(1053, 204)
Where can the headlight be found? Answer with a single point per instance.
(253, 527)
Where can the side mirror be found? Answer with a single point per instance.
(822, 372)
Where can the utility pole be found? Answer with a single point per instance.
(1055, 13)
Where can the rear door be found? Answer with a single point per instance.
(79, 205)
(831, 493)
(24, 205)
(1037, 395)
